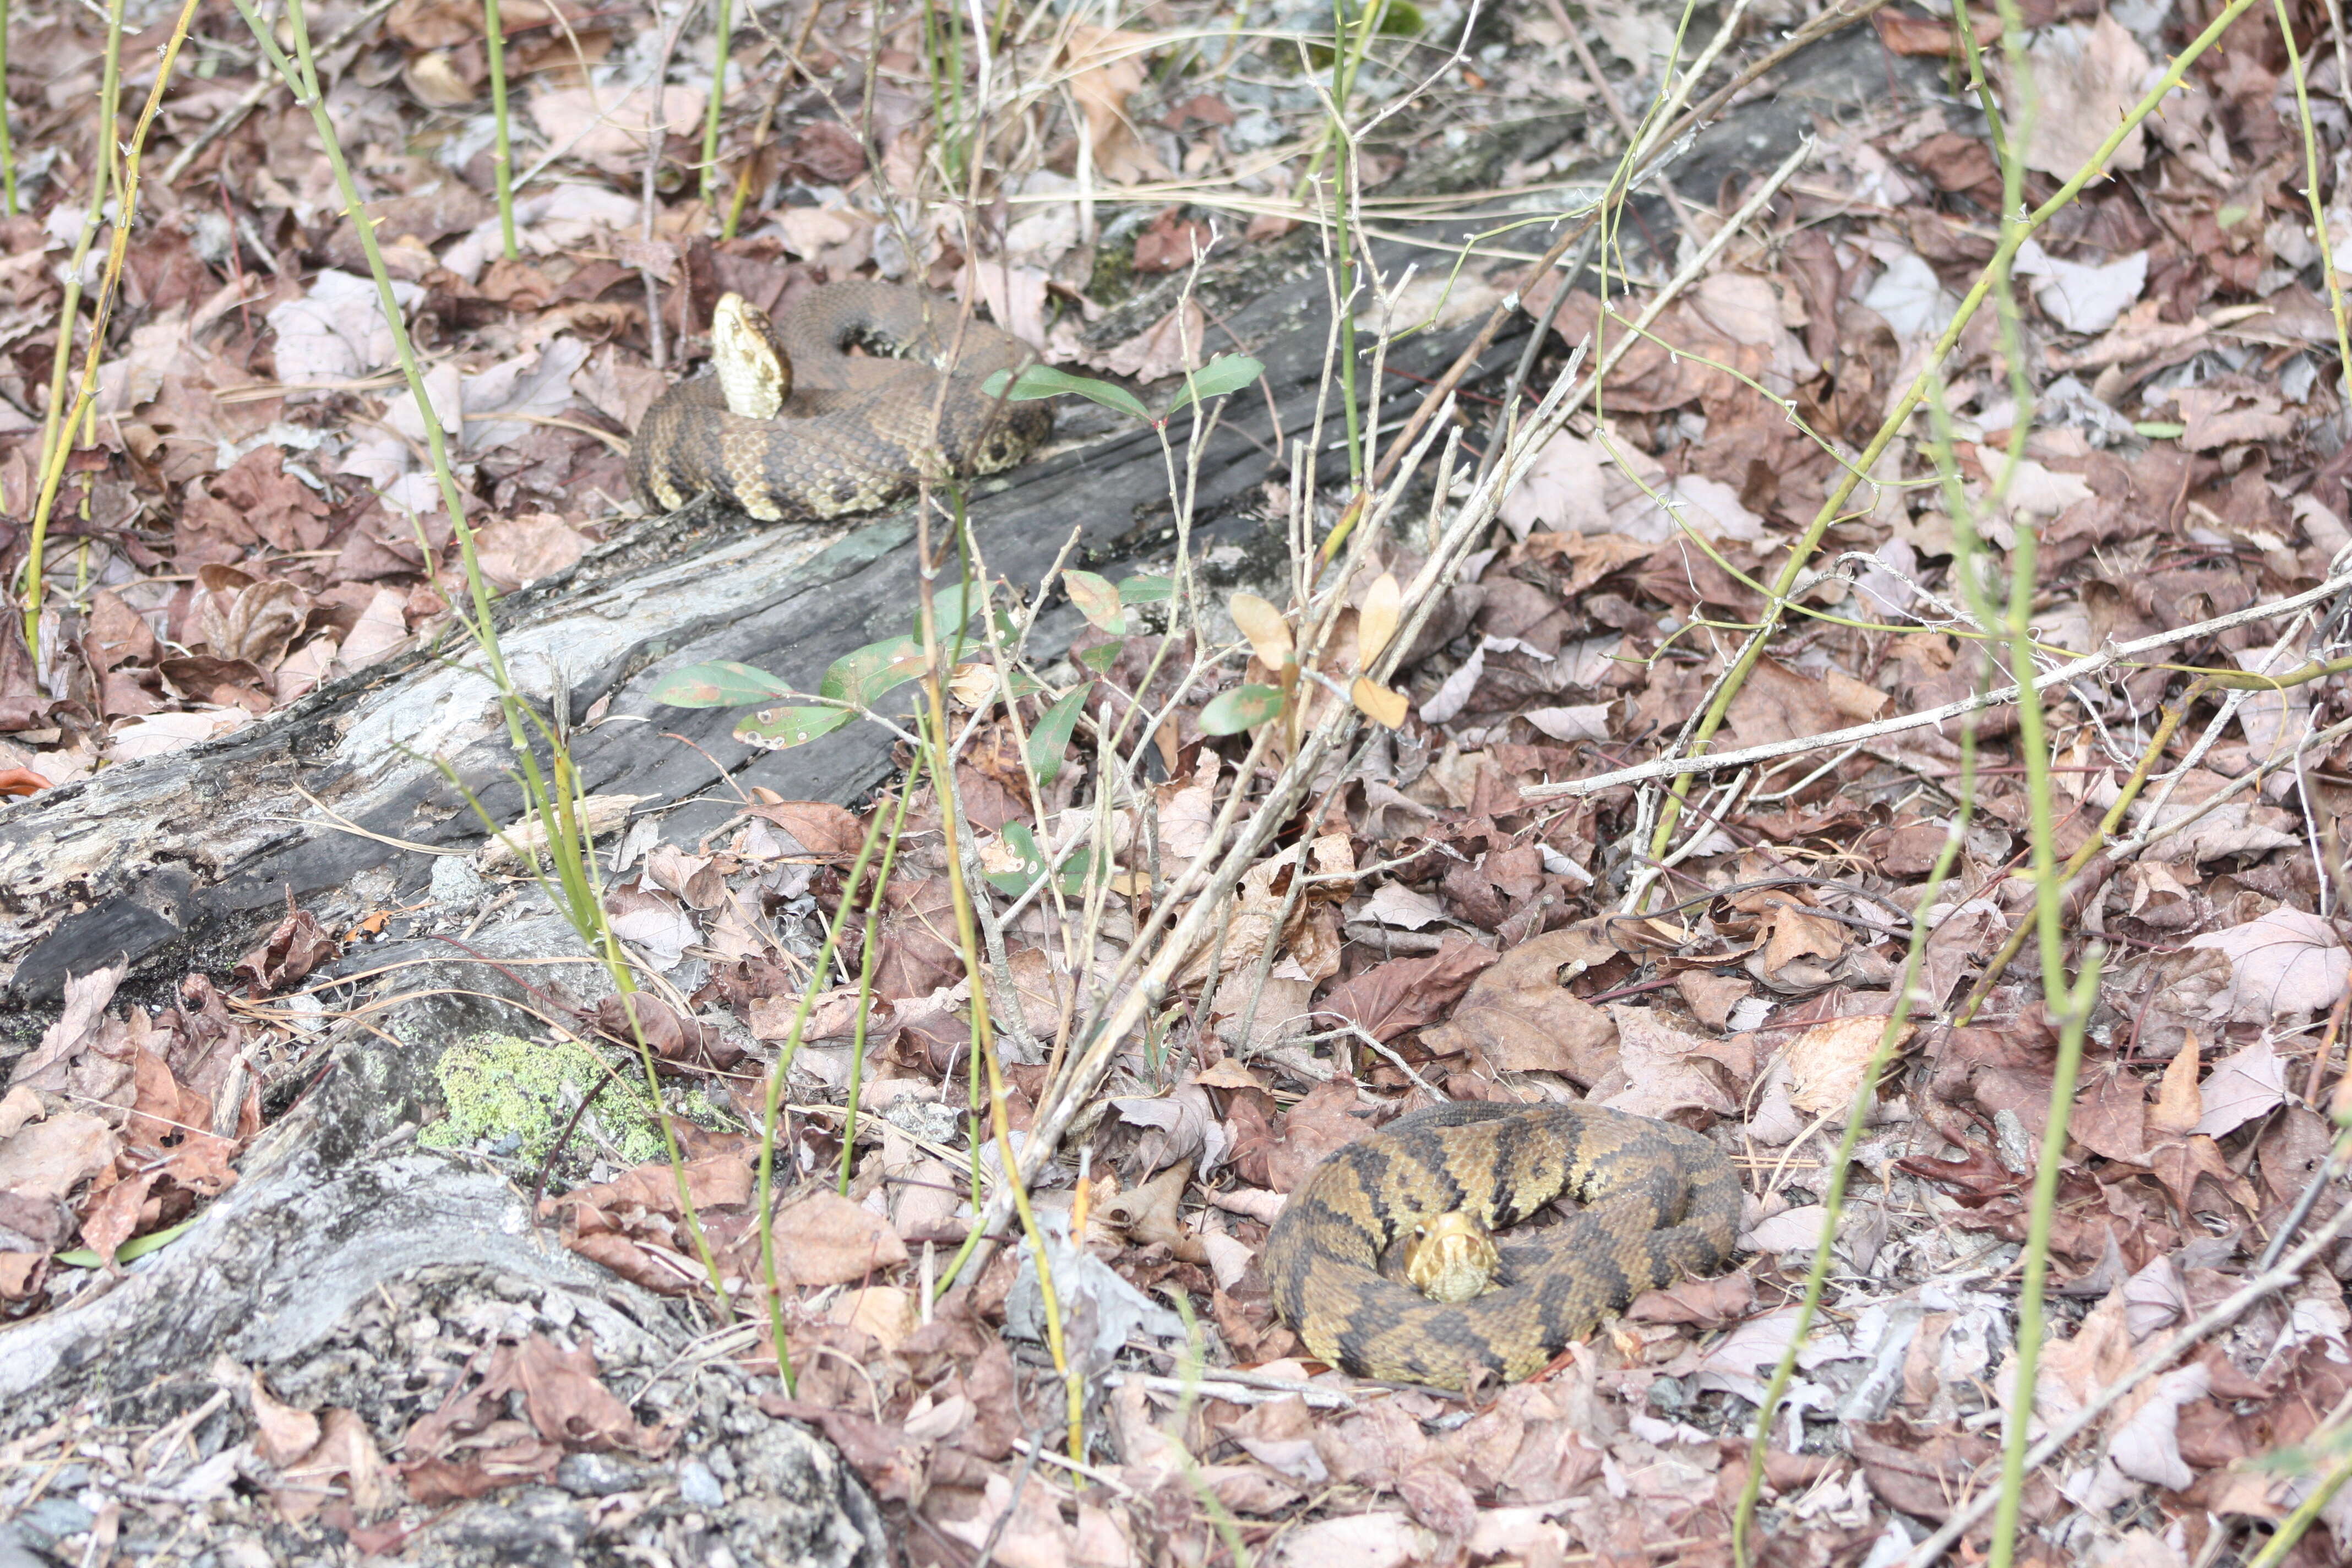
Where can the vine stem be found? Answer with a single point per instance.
(501, 153)
(2015, 232)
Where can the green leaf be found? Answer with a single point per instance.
(781, 728)
(1100, 658)
(1147, 590)
(1043, 381)
(1076, 871)
(947, 604)
(1096, 600)
(860, 677)
(130, 1252)
(1242, 707)
(1224, 373)
(722, 683)
(2160, 429)
(1051, 738)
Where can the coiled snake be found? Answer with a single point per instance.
(1662, 1199)
(793, 427)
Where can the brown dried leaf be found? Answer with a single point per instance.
(2283, 962)
(825, 1239)
(604, 127)
(1659, 1068)
(1328, 1118)
(2110, 1114)
(113, 1217)
(1521, 1019)
(817, 826)
(917, 951)
(297, 945)
(50, 1158)
(1389, 999)
(1106, 66)
(1826, 1062)
(2223, 416)
(343, 1466)
(283, 1433)
(517, 552)
(2086, 78)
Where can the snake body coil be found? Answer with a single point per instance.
(1662, 1199)
(857, 431)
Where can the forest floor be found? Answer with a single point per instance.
(2021, 1019)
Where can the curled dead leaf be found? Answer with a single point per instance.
(1262, 624)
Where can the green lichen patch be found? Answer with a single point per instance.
(498, 1090)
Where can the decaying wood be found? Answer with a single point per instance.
(174, 863)
(324, 1271)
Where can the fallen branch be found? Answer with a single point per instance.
(1210, 881)
(2221, 1317)
(2090, 664)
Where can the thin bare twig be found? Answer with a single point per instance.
(267, 83)
(2220, 1316)
(2090, 664)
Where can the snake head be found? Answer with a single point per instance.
(1450, 1258)
(753, 373)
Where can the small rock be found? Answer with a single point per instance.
(52, 1519)
(455, 883)
(598, 1475)
(2012, 1143)
(698, 1485)
(926, 1119)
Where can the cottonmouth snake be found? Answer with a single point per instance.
(1662, 1202)
(821, 432)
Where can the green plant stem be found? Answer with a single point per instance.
(960, 896)
(501, 153)
(553, 803)
(943, 63)
(723, 19)
(1965, 28)
(60, 428)
(1841, 1162)
(7, 157)
(866, 988)
(2014, 233)
(2071, 1005)
(2069, 1002)
(763, 1201)
(2297, 1524)
(302, 81)
(1343, 165)
(983, 1042)
(2311, 193)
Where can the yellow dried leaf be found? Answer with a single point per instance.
(1377, 622)
(2180, 1103)
(1260, 622)
(1826, 1062)
(973, 685)
(1105, 66)
(1378, 703)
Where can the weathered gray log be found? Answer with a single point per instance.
(175, 863)
(347, 1268)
